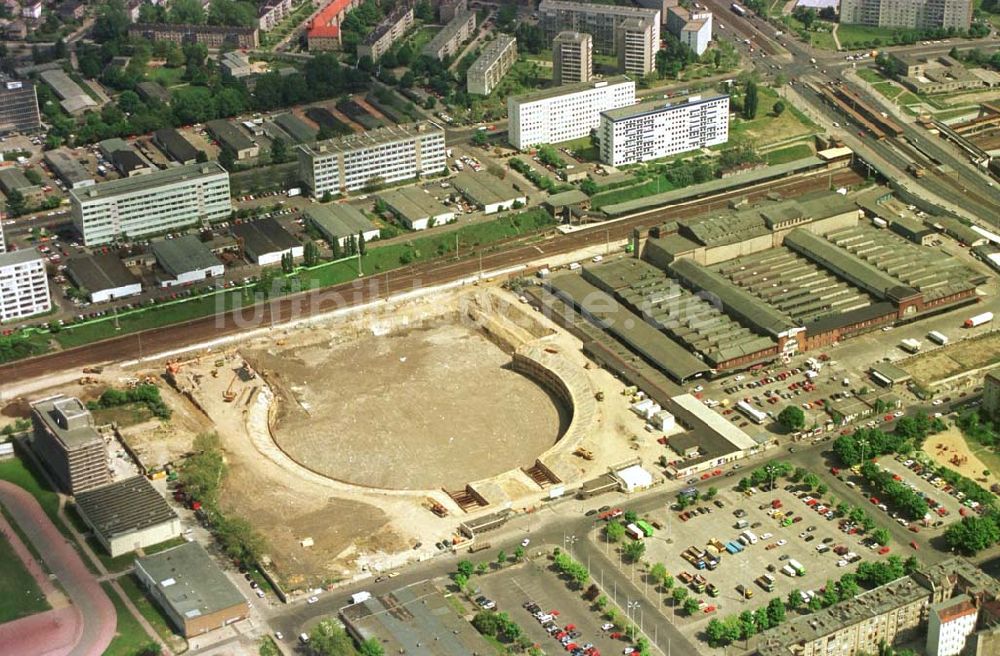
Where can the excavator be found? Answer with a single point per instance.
(229, 395)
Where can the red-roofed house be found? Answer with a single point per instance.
(324, 30)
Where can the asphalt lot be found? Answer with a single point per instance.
(908, 476)
(534, 581)
(745, 567)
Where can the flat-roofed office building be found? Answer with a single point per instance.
(658, 129)
(151, 204)
(67, 443)
(564, 113)
(377, 157)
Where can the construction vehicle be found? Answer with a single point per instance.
(88, 380)
(229, 395)
(586, 454)
(436, 507)
(173, 367)
(916, 171)
(93, 370)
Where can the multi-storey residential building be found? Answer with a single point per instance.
(572, 58)
(657, 129)
(449, 40)
(391, 29)
(949, 625)
(24, 285)
(18, 107)
(564, 113)
(447, 9)
(991, 394)
(324, 30)
(151, 204)
(211, 36)
(3, 242)
(692, 28)
(67, 443)
(272, 12)
(372, 158)
(913, 14)
(495, 61)
(636, 43)
(599, 20)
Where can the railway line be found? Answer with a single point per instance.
(370, 288)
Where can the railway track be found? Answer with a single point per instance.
(278, 311)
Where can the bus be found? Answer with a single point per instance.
(634, 532)
(738, 9)
(751, 412)
(797, 566)
(645, 527)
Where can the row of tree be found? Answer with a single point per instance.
(903, 498)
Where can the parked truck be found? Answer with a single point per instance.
(797, 566)
(937, 338)
(978, 320)
(910, 345)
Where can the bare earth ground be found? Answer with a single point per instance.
(424, 408)
(954, 359)
(943, 446)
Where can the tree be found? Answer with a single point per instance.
(794, 599)
(361, 243)
(750, 101)
(657, 572)
(279, 150)
(811, 480)
(519, 553)
(501, 557)
(668, 582)
(16, 204)
(328, 639)
(822, 489)
(972, 534)
(776, 611)
(679, 595)
(371, 647)
(630, 517)
(634, 550)
(310, 254)
(479, 138)
(614, 531)
(690, 605)
(465, 567)
(711, 492)
(792, 418)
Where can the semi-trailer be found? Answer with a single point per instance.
(978, 320)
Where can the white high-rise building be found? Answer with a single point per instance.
(151, 204)
(374, 158)
(564, 113)
(659, 129)
(693, 29)
(24, 285)
(949, 624)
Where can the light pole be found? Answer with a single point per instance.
(569, 540)
(631, 607)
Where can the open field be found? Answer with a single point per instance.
(20, 595)
(957, 357)
(767, 128)
(397, 411)
(950, 446)
(129, 634)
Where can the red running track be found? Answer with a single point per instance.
(92, 616)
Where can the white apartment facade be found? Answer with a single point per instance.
(24, 285)
(637, 41)
(151, 204)
(565, 113)
(376, 157)
(693, 29)
(949, 625)
(497, 59)
(653, 130)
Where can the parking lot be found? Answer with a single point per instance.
(804, 530)
(909, 476)
(533, 581)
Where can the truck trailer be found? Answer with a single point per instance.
(910, 345)
(937, 338)
(978, 320)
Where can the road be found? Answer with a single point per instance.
(363, 290)
(95, 608)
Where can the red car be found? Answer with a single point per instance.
(913, 528)
(914, 545)
(874, 501)
(570, 627)
(570, 646)
(883, 551)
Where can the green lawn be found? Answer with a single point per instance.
(583, 149)
(20, 595)
(168, 77)
(852, 36)
(656, 185)
(421, 36)
(22, 473)
(789, 154)
(130, 637)
(147, 608)
(870, 75)
(822, 39)
(768, 128)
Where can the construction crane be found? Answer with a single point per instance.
(229, 395)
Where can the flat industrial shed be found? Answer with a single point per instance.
(128, 515)
(487, 191)
(264, 241)
(186, 259)
(416, 208)
(603, 310)
(103, 276)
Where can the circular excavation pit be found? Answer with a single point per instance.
(423, 408)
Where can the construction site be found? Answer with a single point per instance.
(359, 443)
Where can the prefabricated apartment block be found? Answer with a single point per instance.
(658, 129)
(565, 113)
(497, 59)
(151, 204)
(376, 157)
(24, 285)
